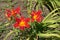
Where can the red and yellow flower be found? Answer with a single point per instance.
(37, 16)
(12, 12)
(22, 23)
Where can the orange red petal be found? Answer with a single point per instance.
(36, 16)
(22, 23)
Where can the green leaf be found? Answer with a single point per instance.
(57, 2)
(11, 32)
(48, 17)
(54, 14)
(50, 21)
(53, 26)
(46, 35)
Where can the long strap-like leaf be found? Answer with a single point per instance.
(46, 35)
(50, 14)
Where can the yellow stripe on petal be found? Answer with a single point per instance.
(22, 23)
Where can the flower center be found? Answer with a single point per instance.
(22, 23)
(35, 17)
(13, 13)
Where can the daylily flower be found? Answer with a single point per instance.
(37, 16)
(12, 12)
(22, 23)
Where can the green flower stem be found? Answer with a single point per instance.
(48, 35)
(8, 35)
(50, 14)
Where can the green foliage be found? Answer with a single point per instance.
(57, 2)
